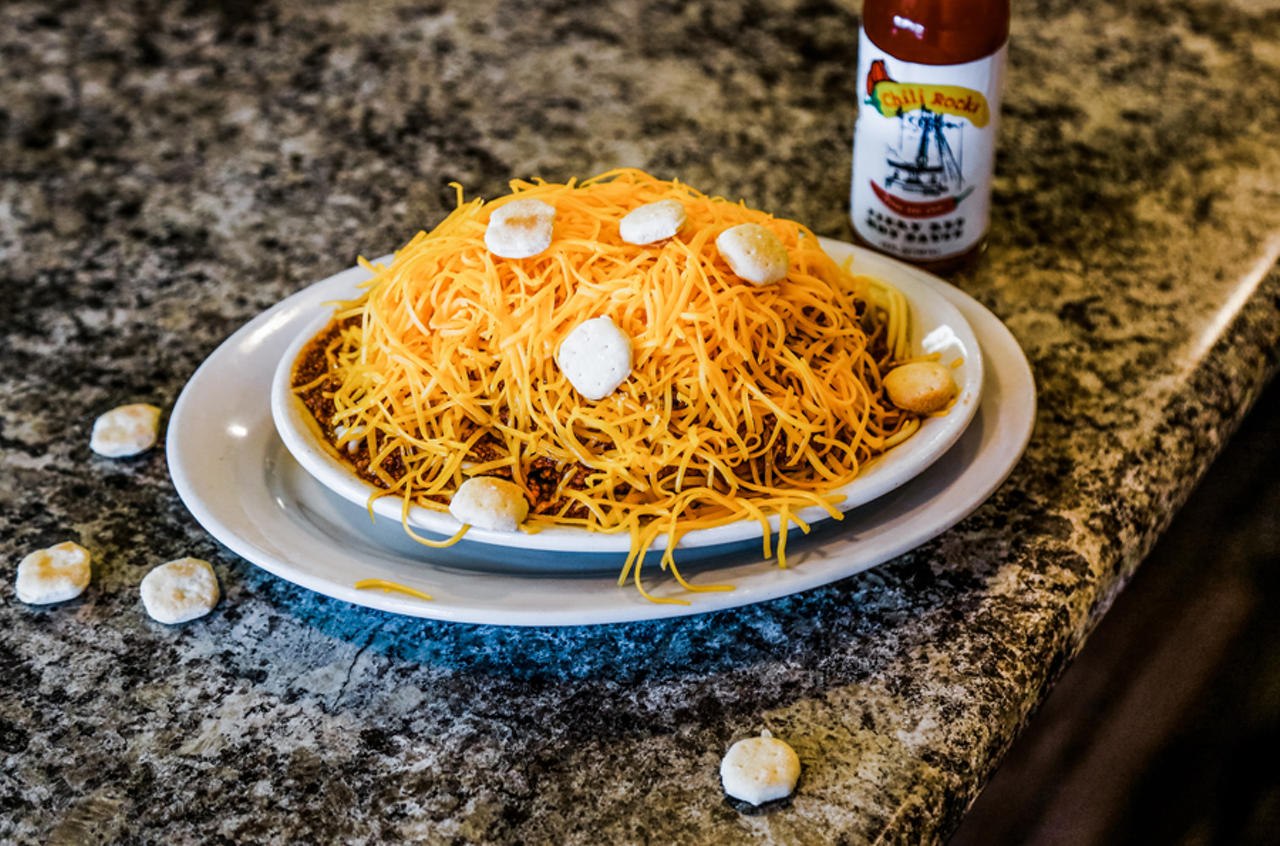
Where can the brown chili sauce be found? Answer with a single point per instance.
(545, 478)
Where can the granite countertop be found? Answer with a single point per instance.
(168, 172)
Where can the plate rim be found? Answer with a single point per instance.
(1012, 422)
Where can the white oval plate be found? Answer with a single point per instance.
(936, 326)
(233, 472)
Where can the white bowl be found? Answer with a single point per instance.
(936, 326)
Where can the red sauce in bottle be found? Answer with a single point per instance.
(937, 32)
(931, 73)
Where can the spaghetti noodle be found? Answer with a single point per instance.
(742, 401)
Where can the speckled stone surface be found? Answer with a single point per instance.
(167, 172)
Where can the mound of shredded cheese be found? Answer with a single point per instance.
(742, 402)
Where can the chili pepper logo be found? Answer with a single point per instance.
(894, 99)
(878, 73)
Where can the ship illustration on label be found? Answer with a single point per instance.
(928, 161)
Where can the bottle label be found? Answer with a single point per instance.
(923, 152)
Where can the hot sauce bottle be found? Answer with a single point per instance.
(930, 74)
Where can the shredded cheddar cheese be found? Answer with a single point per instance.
(743, 401)
(390, 587)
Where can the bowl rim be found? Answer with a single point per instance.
(931, 313)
